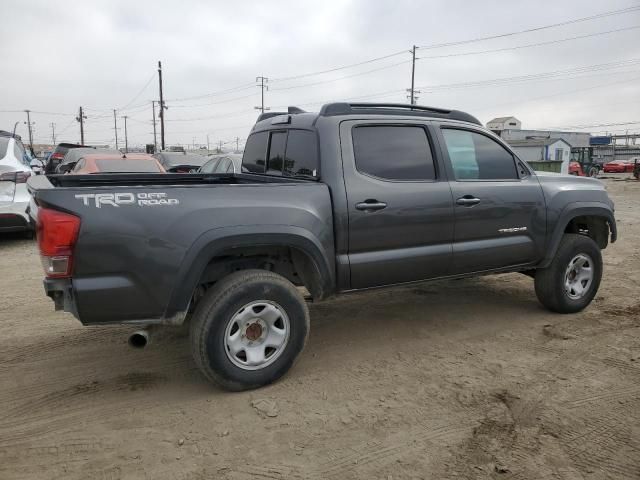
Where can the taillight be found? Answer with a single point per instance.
(16, 177)
(57, 156)
(57, 233)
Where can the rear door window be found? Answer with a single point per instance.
(393, 152)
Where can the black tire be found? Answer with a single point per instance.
(550, 281)
(219, 305)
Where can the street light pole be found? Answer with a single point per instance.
(126, 140)
(115, 126)
(28, 112)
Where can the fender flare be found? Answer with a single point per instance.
(571, 211)
(214, 241)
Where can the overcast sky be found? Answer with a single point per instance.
(58, 55)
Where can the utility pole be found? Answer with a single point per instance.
(263, 81)
(162, 106)
(115, 126)
(207, 143)
(53, 133)
(155, 138)
(28, 122)
(220, 146)
(80, 118)
(237, 144)
(126, 140)
(193, 143)
(413, 74)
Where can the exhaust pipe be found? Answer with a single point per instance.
(139, 339)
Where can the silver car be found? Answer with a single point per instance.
(223, 163)
(14, 172)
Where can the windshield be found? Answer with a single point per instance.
(123, 165)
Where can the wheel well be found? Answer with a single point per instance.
(295, 265)
(595, 227)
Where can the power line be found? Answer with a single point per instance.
(146, 85)
(213, 103)
(321, 72)
(459, 42)
(536, 76)
(341, 78)
(535, 29)
(214, 94)
(518, 47)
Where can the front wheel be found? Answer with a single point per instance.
(572, 279)
(249, 329)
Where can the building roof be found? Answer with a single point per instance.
(536, 142)
(501, 119)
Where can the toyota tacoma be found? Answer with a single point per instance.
(354, 197)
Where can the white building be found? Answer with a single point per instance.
(543, 150)
(500, 124)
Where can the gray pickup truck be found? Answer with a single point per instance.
(357, 196)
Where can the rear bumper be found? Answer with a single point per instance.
(60, 290)
(14, 217)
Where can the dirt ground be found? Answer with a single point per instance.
(456, 379)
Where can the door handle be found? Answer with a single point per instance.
(468, 201)
(370, 205)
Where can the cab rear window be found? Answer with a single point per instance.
(282, 152)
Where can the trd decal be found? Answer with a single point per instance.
(142, 199)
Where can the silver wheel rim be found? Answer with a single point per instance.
(578, 276)
(256, 335)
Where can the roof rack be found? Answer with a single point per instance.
(290, 111)
(344, 108)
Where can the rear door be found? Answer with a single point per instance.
(499, 205)
(400, 206)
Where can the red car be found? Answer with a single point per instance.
(618, 166)
(108, 163)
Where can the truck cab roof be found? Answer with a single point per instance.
(295, 117)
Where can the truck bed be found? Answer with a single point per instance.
(145, 238)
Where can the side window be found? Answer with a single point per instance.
(255, 150)
(277, 145)
(79, 165)
(477, 157)
(223, 165)
(19, 152)
(301, 157)
(393, 152)
(210, 166)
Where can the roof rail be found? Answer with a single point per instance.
(344, 108)
(290, 111)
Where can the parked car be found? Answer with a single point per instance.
(124, 163)
(227, 163)
(618, 166)
(180, 162)
(72, 156)
(354, 197)
(14, 197)
(58, 155)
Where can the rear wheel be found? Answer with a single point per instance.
(249, 329)
(572, 279)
